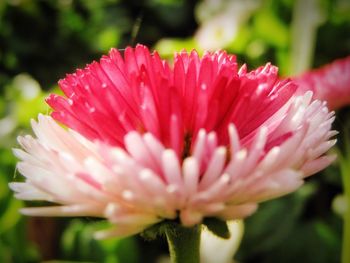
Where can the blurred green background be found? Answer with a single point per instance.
(41, 41)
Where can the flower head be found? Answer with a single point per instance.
(147, 142)
(330, 83)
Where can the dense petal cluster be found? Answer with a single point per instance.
(147, 142)
(330, 83)
(141, 92)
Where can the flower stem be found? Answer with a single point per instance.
(183, 243)
(344, 161)
(307, 16)
(346, 230)
(346, 238)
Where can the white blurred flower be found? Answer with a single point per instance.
(211, 244)
(29, 87)
(221, 20)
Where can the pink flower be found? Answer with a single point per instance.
(330, 83)
(148, 142)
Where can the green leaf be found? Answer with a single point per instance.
(151, 233)
(217, 227)
(240, 43)
(154, 231)
(108, 38)
(167, 46)
(11, 216)
(271, 29)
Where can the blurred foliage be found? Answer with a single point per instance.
(41, 40)
(294, 228)
(12, 226)
(78, 244)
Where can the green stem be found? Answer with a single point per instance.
(344, 161)
(346, 230)
(346, 239)
(183, 243)
(307, 16)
